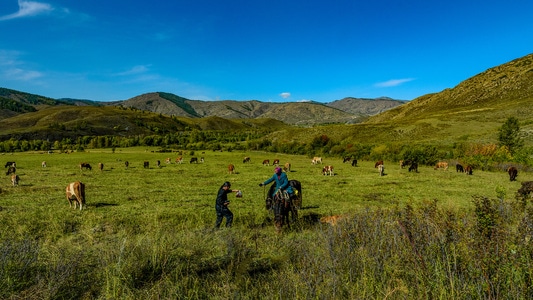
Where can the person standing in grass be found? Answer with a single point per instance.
(222, 203)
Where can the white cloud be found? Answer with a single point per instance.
(22, 75)
(393, 82)
(28, 9)
(140, 69)
(285, 95)
(13, 69)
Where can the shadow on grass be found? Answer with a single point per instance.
(102, 204)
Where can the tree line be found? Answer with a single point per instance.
(509, 148)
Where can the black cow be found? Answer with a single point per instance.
(193, 160)
(354, 162)
(459, 168)
(513, 172)
(11, 170)
(146, 165)
(10, 164)
(413, 167)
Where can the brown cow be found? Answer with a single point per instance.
(441, 165)
(316, 160)
(76, 194)
(276, 162)
(378, 163)
(167, 160)
(246, 159)
(266, 162)
(85, 166)
(327, 170)
(100, 166)
(513, 172)
(43, 164)
(287, 167)
(179, 160)
(469, 170)
(231, 169)
(15, 179)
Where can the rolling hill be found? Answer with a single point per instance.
(472, 111)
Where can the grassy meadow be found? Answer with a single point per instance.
(148, 233)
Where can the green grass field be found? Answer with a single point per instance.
(147, 233)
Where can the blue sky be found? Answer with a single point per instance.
(255, 50)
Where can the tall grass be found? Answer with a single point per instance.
(148, 233)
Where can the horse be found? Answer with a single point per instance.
(281, 204)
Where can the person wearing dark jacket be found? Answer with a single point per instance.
(222, 203)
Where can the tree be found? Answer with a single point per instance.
(508, 135)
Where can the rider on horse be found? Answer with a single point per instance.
(282, 182)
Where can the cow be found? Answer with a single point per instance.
(328, 170)
(405, 163)
(193, 160)
(513, 172)
(441, 165)
(346, 159)
(287, 167)
(469, 170)
(76, 194)
(231, 169)
(127, 164)
(276, 162)
(146, 164)
(459, 168)
(11, 170)
(43, 164)
(167, 160)
(85, 166)
(10, 164)
(246, 159)
(15, 179)
(381, 169)
(266, 162)
(100, 166)
(158, 163)
(202, 160)
(413, 167)
(316, 160)
(179, 160)
(378, 163)
(354, 162)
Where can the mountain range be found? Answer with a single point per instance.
(471, 110)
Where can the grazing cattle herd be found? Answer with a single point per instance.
(75, 191)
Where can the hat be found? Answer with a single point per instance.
(227, 183)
